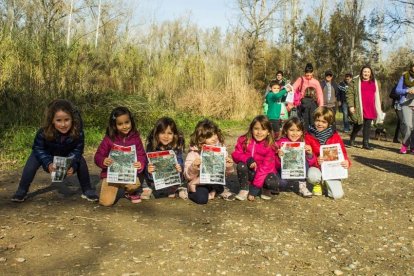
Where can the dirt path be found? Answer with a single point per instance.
(369, 232)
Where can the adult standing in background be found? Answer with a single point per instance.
(405, 88)
(363, 99)
(330, 91)
(281, 80)
(305, 81)
(341, 98)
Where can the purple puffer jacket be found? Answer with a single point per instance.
(105, 147)
(259, 152)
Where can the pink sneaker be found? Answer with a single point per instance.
(134, 198)
(403, 149)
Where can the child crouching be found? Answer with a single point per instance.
(323, 133)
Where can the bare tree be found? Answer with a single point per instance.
(400, 15)
(256, 20)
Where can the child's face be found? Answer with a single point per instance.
(259, 133)
(123, 124)
(294, 133)
(321, 124)
(62, 122)
(212, 141)
(275, 88)
(166, 137)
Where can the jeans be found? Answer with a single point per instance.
(200, 196)
(275, 126)
(408, 119)
(334, 187)
(32, 165)
(366, 131)
(271, 182)
(344, 107)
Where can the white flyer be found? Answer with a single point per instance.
(331, 166)
(122, 169)
(61, 165)
(293, 160)
(213, 165)
(165, 174)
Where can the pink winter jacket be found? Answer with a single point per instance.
(105, 147)
(259, 152)
(308, 83)
(311, 159)
(191, 173)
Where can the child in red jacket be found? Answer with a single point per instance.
(323, 133)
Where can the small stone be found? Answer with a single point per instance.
(3, 259)
(20, 260)
(46, 255)
(338, 272)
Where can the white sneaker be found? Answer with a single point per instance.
(242, 195)
(303, 190)
(146, 193)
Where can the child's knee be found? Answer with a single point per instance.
(314, 175)
(106, 203)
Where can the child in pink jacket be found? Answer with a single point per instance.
(206, 133)
(256, 160)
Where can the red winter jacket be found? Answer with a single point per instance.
(316, 146)
(259, 152)
(105, 147)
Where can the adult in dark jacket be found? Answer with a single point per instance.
(341, 99)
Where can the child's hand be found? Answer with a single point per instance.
(308, 149)
(280, 153)
(229, 162)
(69, 172)
(196, 163)
(51, 168)
(320, 160)
(345, 164)
(178, 168)
(352, 110)
(137, 165)
(108, 162)
(253, 166)
(151, 168)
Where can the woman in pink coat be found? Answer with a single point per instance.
(256, 160)
(303, 82)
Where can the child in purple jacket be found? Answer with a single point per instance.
(120, 131)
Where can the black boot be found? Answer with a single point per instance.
(365, 145)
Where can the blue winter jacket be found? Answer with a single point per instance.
(402, 90)
(62, 145)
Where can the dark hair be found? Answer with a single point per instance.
(310, 92)
(324, 112)
(111, 130)
(274, 82)
(265, 123)
(291, 122)
(205, 129)
(372, 72)
(309, 68)
(329, 73)
(49, 130)
(279, 72)
(348, 75)
(160, 126)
